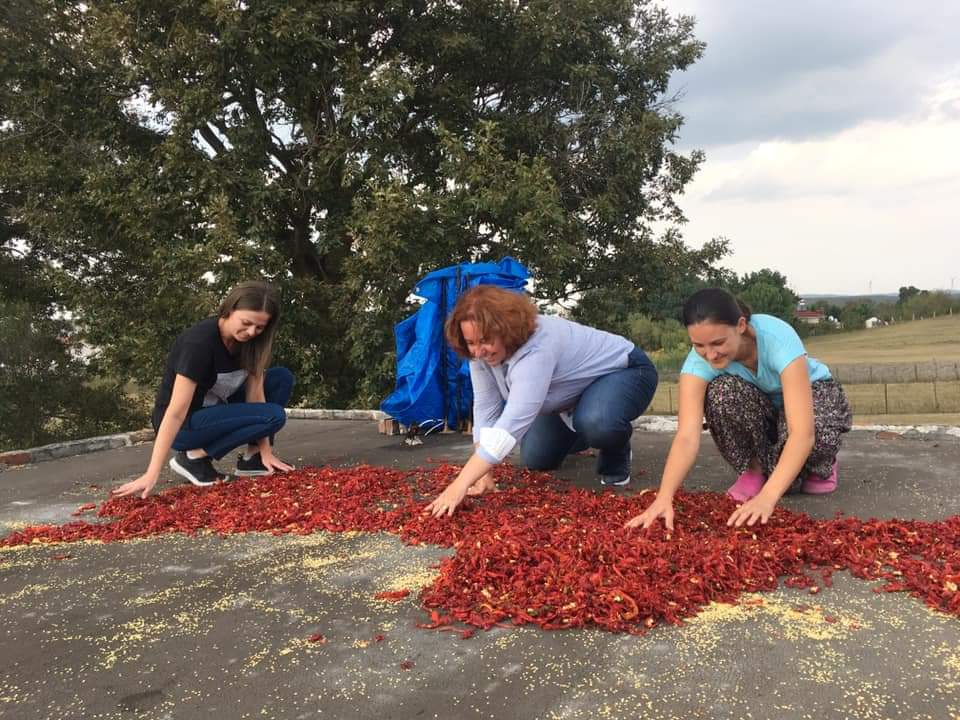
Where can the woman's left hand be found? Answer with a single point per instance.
(447, 501)
(271, 462)
(758, 508)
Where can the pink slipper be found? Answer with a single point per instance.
(816, 485)
(746, 486)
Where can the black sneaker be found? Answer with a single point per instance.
(199, 471)
(250, 468)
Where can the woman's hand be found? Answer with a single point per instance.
(447, 501)
(271, 462)
(757, 508)
(659, 508)
(143, 485)
(484, 484)
(475, 470)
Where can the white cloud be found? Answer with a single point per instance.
(876, 157)
(871, 208)
(836, 164)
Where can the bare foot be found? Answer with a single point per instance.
(481, 486)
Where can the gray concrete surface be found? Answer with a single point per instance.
(204, 626)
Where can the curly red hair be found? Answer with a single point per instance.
(498, 313)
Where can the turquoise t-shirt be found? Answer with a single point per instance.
(778, 345)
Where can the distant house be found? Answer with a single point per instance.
(810, 317)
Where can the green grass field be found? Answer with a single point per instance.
(916, 341)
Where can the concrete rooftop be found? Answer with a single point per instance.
(209, 626)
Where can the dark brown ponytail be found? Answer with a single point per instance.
(714, 305)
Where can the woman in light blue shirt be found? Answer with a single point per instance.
(552, 385)
(776, 414)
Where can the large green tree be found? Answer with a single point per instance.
(671, 275)
(162, 150)
(766, 291)
(48, 391)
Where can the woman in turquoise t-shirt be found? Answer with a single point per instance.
(775, 414)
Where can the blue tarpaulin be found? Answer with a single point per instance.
(433, 384)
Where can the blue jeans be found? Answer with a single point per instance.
(218, 429)
(603, 419)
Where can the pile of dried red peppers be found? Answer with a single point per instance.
(536, 552)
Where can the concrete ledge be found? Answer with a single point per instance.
(54, 451)
(321, 414)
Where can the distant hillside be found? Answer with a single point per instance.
(905, 342)
(847, 299)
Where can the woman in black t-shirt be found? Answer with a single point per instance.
(217, 394)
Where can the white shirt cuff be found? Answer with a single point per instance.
(495, 444)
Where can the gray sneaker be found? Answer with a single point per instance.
(618, 480)
(615, 480)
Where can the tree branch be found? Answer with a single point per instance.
(212, 139)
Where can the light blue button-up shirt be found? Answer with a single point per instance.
(547, 374)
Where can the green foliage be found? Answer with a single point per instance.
(855, 315)
(912, 303)
(653, 334)
(829, 309)
(673, 272)
(669, 362)
(665, 341)
(47, 392)
(162, 151)
(928, 304)
(907, 292)
(766, 291)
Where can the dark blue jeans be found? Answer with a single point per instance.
(603, 419)
(218, 429)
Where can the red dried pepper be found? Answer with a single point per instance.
(538, 553)
(392, 595)
(317, 638)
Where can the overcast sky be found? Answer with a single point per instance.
(832, 135)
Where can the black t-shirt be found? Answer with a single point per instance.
(199, 354)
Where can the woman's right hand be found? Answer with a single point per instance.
(447, 501)
(659, 508)
(484, 484)
(143, 485)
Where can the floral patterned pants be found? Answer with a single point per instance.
(745, 424)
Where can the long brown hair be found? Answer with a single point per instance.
(714, 305)
(498, 313)
(259, 296)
